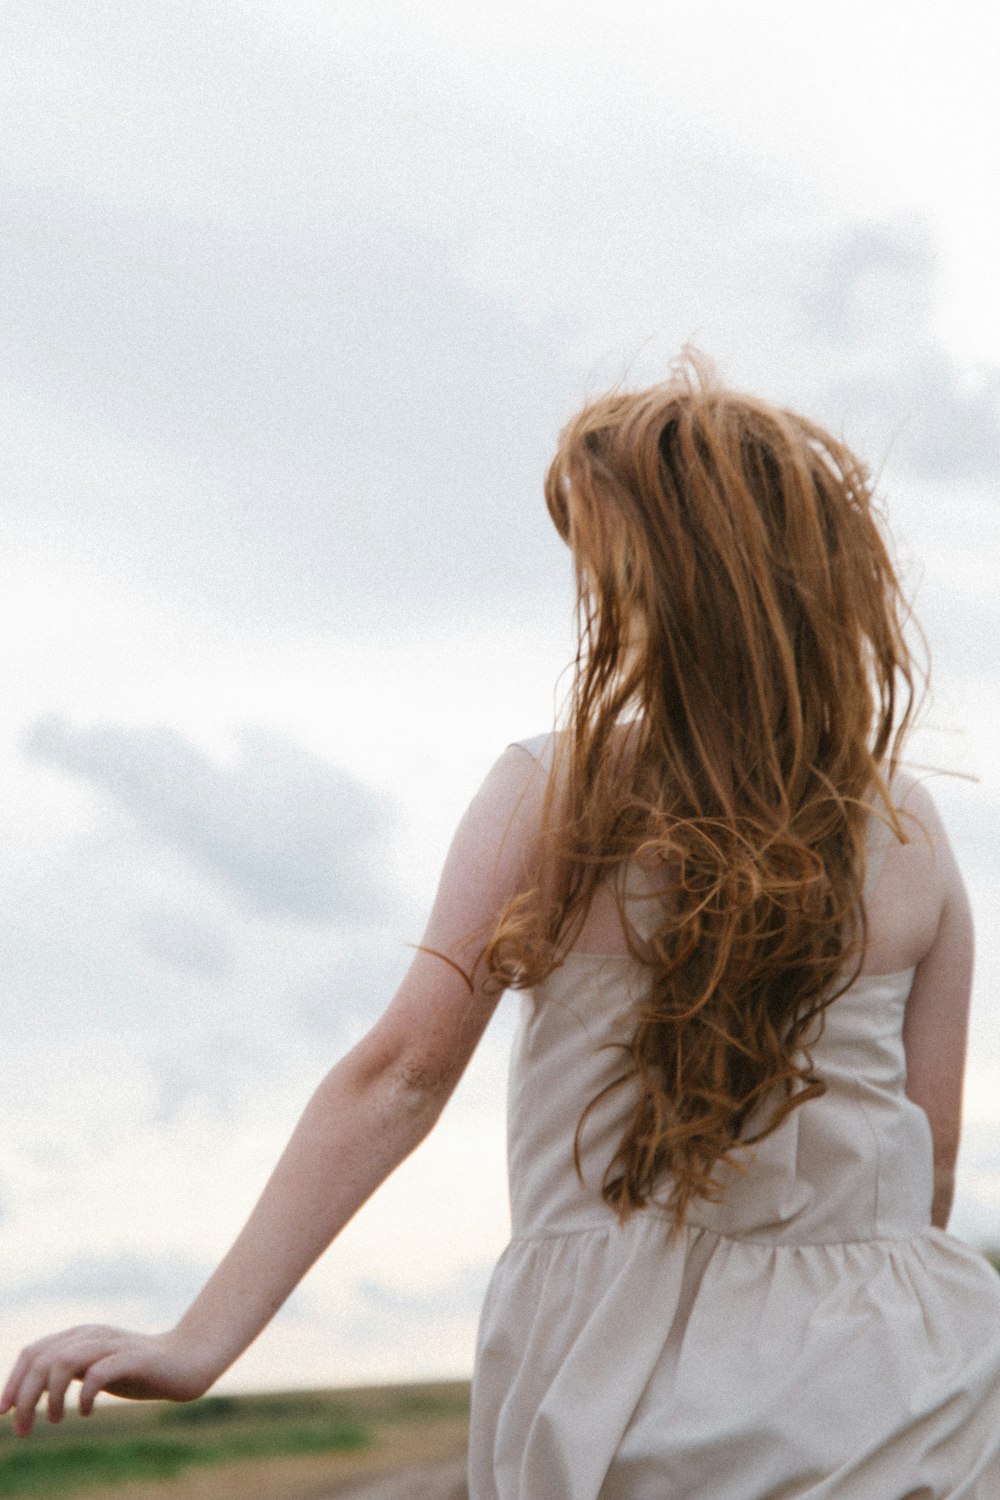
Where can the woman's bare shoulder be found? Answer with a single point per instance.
(919, 879)
(928, 845)
(912, 796)
(498, 834)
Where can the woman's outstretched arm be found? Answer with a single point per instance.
(366, 1116)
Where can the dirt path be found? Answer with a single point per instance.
(409, 1461)
(437, 1481)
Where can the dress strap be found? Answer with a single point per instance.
(878, 840)
(540, 747)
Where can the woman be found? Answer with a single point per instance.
(745, 952)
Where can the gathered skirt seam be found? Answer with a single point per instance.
(734, 1239)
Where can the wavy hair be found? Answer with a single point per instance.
(741, 692)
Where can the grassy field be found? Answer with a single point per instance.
(291, 1446)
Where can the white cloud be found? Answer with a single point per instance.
(867, 310)
(183, 942)
(287, 833)
(458, 1295)
(164, 1284)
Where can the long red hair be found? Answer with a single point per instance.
(742, 689)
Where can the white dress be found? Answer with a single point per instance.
(809, 1337)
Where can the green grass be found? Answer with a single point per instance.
(53, 1469)
(121, 1444)
(132, 1441)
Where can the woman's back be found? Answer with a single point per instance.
(907, 887)
(808, 1333)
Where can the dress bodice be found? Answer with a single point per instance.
(855, 1163)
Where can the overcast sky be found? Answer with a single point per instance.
(295, 299)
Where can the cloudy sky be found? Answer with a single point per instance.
(295, 299)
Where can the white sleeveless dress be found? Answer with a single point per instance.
(808, 1337)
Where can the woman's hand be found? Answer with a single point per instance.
(143, 1367)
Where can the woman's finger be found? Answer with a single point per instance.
(61, 1372)
(15, 1377)
(32, 1385)
(101, 1374)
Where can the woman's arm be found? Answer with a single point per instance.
(359, 1125)
(369, 1113)
(935, 1028)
